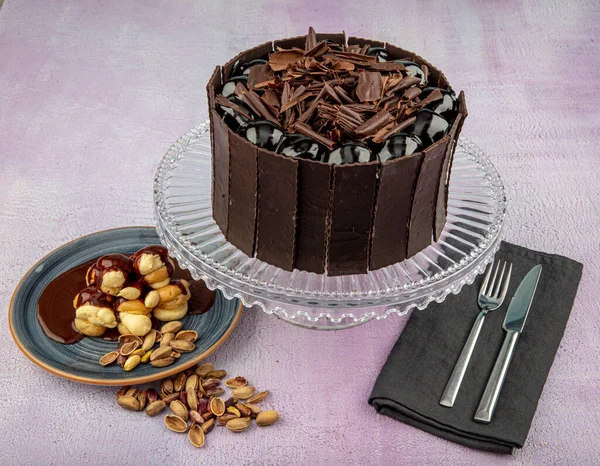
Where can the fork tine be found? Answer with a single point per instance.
(498, 283)
(491, 285)
(486, 279)
(506, 283)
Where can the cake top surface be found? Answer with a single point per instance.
(332, 95)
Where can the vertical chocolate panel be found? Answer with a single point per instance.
(243, 181)
(397, 53)
(338, 38)
(260, 51)
(220, 170)
(441, 209)
(353, 192)
(420, 230)
(277, 200)
(298, 41)
(360, 41)
(313, 208)
(213, 83)
(392, 210)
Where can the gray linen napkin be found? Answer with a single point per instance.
(413, 378)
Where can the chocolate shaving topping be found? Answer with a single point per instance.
(332, 93)
(377, 121)
(393, 130)
(225, 102)
(260, 76)
(307, 131)
(368, 88)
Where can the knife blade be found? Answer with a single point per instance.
(513, 324)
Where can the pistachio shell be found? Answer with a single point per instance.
(142, 397)
(267, 418)
(122, 391)
(166, 386)
(196, 436)
(179, 409)
(236, 382)
(243, 393)
(128, 402)
(192, 399)
(238, 424)
(129, 337)
(187, 335)
(171, 327)
(216, 374)
(109, 358)
(217, 406)
(179, 382)
(258, 397)
(175, 423)
(192, 382)
(129, 348)
(155, 408)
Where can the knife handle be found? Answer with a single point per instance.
(488, 401)
(451, 390)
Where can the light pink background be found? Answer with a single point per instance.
(93, 93)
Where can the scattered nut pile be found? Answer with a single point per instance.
(132, 350)
(194, 399)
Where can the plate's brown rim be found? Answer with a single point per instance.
(109, 382)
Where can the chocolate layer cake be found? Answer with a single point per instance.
(331, 155)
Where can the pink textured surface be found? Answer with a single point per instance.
(93, 93)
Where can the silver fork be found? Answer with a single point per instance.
(491, 295)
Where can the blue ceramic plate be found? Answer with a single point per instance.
(79, 361)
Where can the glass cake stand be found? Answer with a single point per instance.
(476, 213)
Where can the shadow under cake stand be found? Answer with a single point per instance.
(471, 237)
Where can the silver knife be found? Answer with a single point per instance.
(514, 321)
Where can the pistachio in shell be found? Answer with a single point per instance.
(171, 327)
(239, 424)
(267, 418)
(203, 369)
(128, 402)
(155, 408)
(179, 409)
(243, 393)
